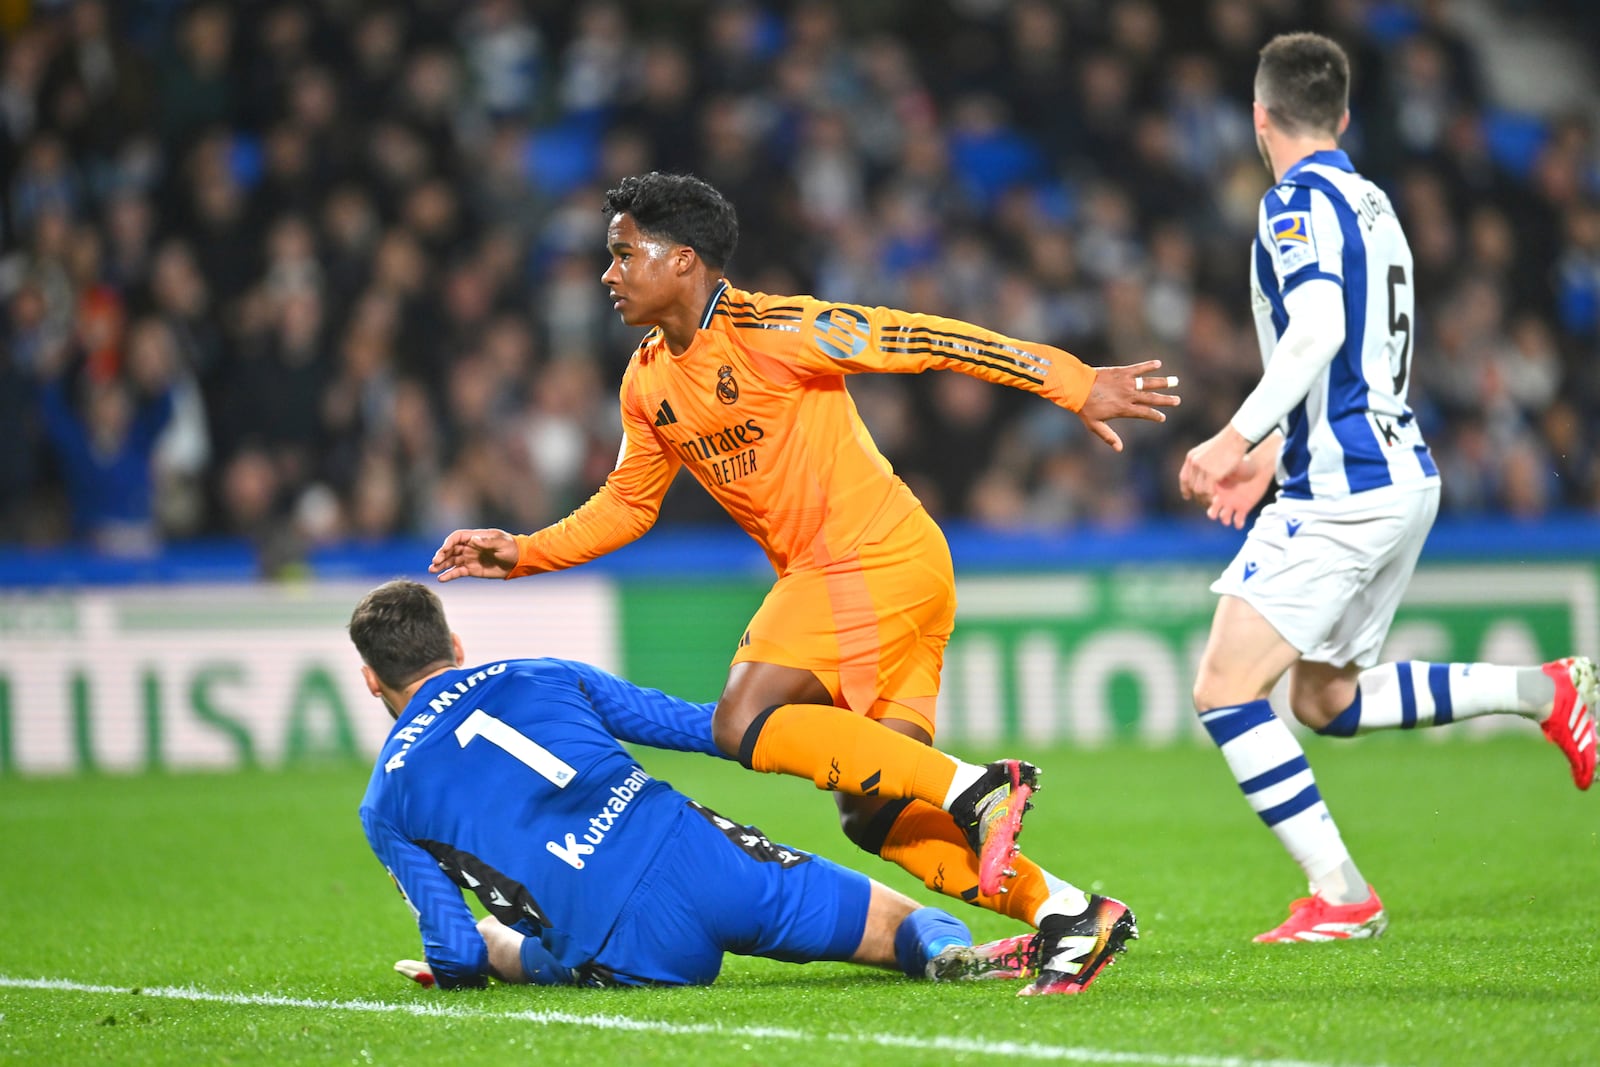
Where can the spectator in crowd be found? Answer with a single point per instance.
(340, 212)
(103, 427)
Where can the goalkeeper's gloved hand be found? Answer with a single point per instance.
(416, 970)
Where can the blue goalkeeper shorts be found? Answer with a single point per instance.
(717, 886)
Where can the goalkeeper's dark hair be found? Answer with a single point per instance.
(681, 208)
(1303, 80)
(400, 630)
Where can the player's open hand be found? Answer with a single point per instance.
(475, 554)
(1238, 492)
(1131, 392)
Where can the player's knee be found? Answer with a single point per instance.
(1216, 689)
(754, 691)
(1345, 724)
(728, 728)
(1317, 716)
(1207, 692)
(735, 729)
(868, 828)
(1317, 703)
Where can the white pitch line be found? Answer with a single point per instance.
(1016, 1049)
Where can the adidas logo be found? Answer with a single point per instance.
(665, 415)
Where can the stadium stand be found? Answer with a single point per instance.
(329, 270)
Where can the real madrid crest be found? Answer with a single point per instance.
(727, 388)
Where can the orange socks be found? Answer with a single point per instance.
(843, 751)
(847, 752)
(926, 842)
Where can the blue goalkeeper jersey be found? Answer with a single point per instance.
(508, 780)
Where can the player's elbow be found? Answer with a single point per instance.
(631, 513)
(640, 519)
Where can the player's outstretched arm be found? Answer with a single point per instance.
(619, 512)
(1131, 392)
(475, 554)
(647, 716)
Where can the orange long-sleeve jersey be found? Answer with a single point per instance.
(757, 409)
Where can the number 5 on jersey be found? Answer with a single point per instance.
(1399, 323)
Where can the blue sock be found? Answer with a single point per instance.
(924, 934)
(540, 966)
(1348, 722)
(1411, 694)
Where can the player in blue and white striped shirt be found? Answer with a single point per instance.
(1315, 586)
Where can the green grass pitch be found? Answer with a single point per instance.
(257, 928)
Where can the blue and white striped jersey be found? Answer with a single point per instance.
(1353, 432)
(507, 780)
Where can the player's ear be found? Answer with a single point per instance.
(1344, 122)
(456, 647)
(684, 259)
(1258, 117)
(370, 676)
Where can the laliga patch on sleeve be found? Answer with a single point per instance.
(1291, 232)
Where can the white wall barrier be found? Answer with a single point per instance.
(189, 677)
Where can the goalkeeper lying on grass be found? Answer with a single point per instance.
(508, 780)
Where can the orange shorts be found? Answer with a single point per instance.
(872, 627)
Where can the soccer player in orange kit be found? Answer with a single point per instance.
(747, 390)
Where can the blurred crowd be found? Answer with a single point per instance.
(303, 271)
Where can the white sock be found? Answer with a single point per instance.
(1342, 885)
(1272, 771)
(1064, 899)
(966, 774)
(1410, 694)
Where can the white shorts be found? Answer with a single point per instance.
(1329, 574)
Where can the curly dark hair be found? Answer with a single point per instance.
(681, 208)
(1303, 80)
(400, 630)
